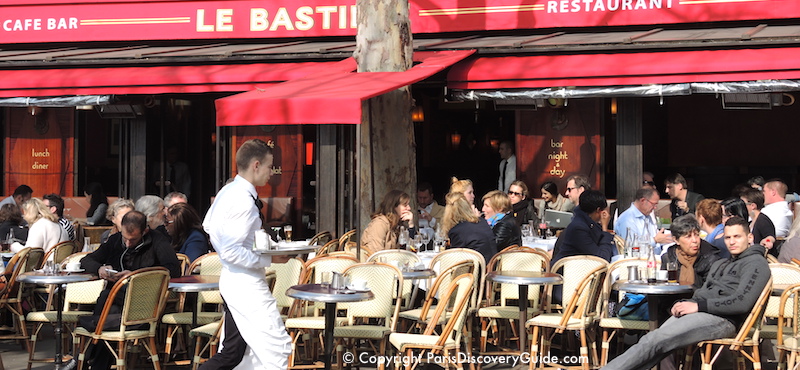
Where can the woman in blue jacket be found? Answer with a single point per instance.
(186, 230)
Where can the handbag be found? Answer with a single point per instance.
(633, 307)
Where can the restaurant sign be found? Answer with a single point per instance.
(23, 21)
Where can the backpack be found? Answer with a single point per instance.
(633, 307)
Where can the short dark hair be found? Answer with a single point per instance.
(425, 186)
(591, 200)
(580, 181)
(756, 180)
(675, 178)
(736, 220)
(509, 144)
(134, 220)
(755, 196)
(684, 225)
(550, 187)
(22, 190)
(255, 149)
(645, 193)
(55, 201)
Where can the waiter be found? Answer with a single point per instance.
(255, 337)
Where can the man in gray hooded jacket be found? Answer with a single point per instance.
(716, 310)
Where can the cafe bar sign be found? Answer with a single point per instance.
(28, 21)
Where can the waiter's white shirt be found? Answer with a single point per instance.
(511, 173)
(231, 223)
(781, 216)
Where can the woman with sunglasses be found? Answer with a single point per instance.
(522, 207)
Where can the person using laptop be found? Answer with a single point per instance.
(585, 235)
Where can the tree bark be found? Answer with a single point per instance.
(386, 148)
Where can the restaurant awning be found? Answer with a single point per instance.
(326, 97)
(154, 80)
(618, 69)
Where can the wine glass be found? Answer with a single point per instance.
(417, 242)
(526, 230)
(426, 238)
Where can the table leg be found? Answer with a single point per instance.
(59, 324)
(194, 310)
(652, 311)
(330, 318)
(523, 316)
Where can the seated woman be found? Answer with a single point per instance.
(465, 229)
(709, 216)
(465, 187)
(496, 209)
(393, 213)
(45, 231)
(115, 212)
(552, 199)
(186, 230)
(11, 226)
(522, 207)
(692, 255)
(98, 204)
(790, 248)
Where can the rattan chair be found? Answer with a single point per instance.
(747, 337)
(327, 248)
(402, 258)
(12, 294)
(185, 262)
(578, 314)
(320, 238)
(446, 345)
(496, 305)
(286, 275)
(145, 294)
(615, 326)
(788, 328)
(345, 238)
(375, 319)
(59, 252)
(81, 293)
(209, 332)
(782, 274)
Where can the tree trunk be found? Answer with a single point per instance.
(386, 148)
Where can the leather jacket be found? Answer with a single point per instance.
(506, 232)
(707, 255)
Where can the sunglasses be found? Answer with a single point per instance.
(651, 183)
(514, 193)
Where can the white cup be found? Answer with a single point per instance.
(73, 266)
(358, 284)
(661, 275)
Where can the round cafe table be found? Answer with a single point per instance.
(655, 293)
(414, 275)
(320, 293)
(522, 279)
(57, 280)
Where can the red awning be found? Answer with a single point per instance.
(327, 97)
(641, 68)
(155, 80)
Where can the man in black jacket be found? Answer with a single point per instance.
(133, 248)
(716, 310)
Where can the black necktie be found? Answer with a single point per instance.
(503, 176)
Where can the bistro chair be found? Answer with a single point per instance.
(145, 294)
(616, 326)
(306, 317)
(80, 294)
(375, 319)
(12, 295)
(747, 337)
(578, 314)
(185, 262)
(402, 258)
(447, 343)
(59, 252)
(327, 248)
(497, 304)
(286, 275)
(782, 274)
(788, 328)
(209, 332)
(320, 238)
(345, 238)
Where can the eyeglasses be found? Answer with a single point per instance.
(652, 203)
(570, 189)
(651, 183)
(514, 193)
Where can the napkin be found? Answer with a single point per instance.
(263, 241)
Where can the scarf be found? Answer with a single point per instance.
(494, 219)
(686, 276)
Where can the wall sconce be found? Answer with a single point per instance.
(34, 110)
(613, 106)
(417, 114)
(495, 144)
(455, 139)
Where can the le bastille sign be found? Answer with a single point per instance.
(23, 21)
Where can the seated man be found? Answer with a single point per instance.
(640, 220)
(716, 310)
(133, 248)
(585, 235)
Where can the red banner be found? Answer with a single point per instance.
(23, 21)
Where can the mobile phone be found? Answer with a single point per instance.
(112, 271)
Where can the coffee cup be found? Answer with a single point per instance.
(661, 275)
(73, 266)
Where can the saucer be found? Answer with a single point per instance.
(78, 270)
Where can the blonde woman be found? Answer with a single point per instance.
(496, 209)
(465, 187)
(382, 231)
(465, 229)
(45, 231)
(115, 212)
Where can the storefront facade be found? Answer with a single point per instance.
(591, 87)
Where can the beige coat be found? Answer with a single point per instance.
(378, 235)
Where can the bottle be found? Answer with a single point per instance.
(628, 243)
(651, 265)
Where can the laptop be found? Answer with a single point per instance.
(557, 219)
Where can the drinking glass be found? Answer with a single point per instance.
(287, 232)
(417, 242)
(49, 267)
(402, 239)
(277, 231)
(526, 230)
(672, 272)
(426, 238)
